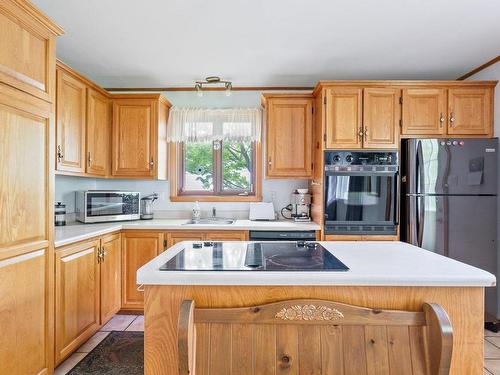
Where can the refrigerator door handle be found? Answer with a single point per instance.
(420, 201)
(420, 170)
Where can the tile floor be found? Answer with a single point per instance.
(136, 323)
(117, 323)
(491, 353)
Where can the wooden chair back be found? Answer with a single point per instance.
(313, 337)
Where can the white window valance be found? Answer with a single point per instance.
(208, 125)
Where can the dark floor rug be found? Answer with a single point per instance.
(119, 353)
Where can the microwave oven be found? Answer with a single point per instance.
(95, 206)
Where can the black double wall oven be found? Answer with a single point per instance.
(361, 192)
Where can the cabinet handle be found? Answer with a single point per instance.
(360, 134)
(60, 155)
(151, 163)
(99, 255)
(452, 119)
(270, 162)
(441, 120)
(89, 159)
(314, 183)
(366, 134)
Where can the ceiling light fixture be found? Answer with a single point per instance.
(213, 80)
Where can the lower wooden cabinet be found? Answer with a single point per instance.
(25, 316)
(111, 276)
(77, 281)
(342, 237)
(138, 248)
(175, 237)
(227, 235)
(198, 235)
(87, 290)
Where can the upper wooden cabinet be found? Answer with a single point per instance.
(460, 111)
(70, 117)
(381, 114)
(344, 127)
(362, 118)
(373, 114)
(83, 125)
(424, 111)
(289, 135)
(98, 133)
(139, 147)
(470, 111)
(27, 53)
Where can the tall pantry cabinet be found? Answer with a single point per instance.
(27, 93)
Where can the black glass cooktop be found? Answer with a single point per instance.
(258, 256)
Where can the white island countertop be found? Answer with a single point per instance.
(78, 231)
(374, 263)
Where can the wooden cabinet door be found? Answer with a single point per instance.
(26, 227)
(134, 134)
(70, 120)
(184, 235)
(138, 248)
(24, 295)
(77, 296)
(470, 111)
(381, 113)
(27, 55)
(289, 137)
(227, 235)
(98, 131)
(344, 118)
(424, 111)
(111, 276)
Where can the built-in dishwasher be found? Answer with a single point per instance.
(264, 235)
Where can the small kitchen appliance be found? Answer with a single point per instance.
(95, 206)
(147, 206)
(59, 214)
(361, 192)
(300, 206)
(257, 256)
(261, 211)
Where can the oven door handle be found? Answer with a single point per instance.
(360, 173)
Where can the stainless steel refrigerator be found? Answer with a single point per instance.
(449, 193)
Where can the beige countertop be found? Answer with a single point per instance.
(78, 232)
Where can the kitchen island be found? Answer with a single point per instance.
(383, 275)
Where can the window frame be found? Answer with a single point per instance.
(177, 194)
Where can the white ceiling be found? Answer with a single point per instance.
(161, 43)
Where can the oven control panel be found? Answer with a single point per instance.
(348, 158)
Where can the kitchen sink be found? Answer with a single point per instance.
(213, 221)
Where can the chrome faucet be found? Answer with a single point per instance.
(214, 213)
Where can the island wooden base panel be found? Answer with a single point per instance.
(162, 303)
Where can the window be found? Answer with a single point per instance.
(217, 168)
(215, 154)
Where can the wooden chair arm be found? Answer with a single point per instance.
(186, 339)
(439, 339)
